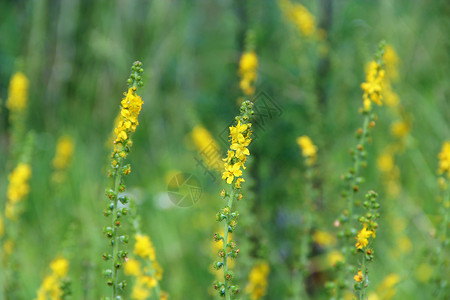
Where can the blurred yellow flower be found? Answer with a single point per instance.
(207, 147)
(140, 293)
(18, 93)
(404, 244)
(423, 272)
(309, 150)
(444, 159)
(59, 267)
(334, 257)
(257, 284)
(51, 285)
(144, 247)
(18, 188)
(64, 152)
(399, 129)
(300, 16)
(385, 162)
(8, 247)
(391, 61)
(373, 296)
(132, 267)
(248, 66)
(324, 238)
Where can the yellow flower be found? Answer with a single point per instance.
(8, 247)
(64, 152)
(309, 150)
(424, 272)
(385, 162)
(404, 244)
(399, 129)
(18, 183)
(163, 296)
(18, 188)
(239, 181)
(18, 93)
(133, 267)
(59, 267)
(391, 61)
(207, 147)
(444, 159)
(324, 238)
(148, 281)
(140, 293)
(372, 88)
(358, 277)
(144, 247)
(300, 16)
(131, 107)
(334, 257)
(258, 281)
(158, 270)
(362, 238)
(231, 171)
(248, 66)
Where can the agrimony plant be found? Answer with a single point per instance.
(240, 139)
(372, 93)
(131, 106)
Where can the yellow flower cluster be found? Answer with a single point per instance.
(363, 236)
(147, 277)
(248, 66)
(18, 93)
(444, 159)
(131, 106)
(240, 139)
(18, 189)
(50, 288)
(300, 16)
(144, 247)
(64, 152)
(257, 285)
(391, 62)
(372, 88)
(207, 147)
(309, 150)
(358, 277)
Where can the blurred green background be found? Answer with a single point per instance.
(77, 54)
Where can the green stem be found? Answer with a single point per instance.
(300, 292)
(115, 238)
(225, 242)
(363, 282)
(351, 200)
(442, 246)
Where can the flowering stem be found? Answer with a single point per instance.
(115, 238)
(225, 243)
(351, 198)
(364, 281)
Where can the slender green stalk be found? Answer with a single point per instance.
(225, 243)
(115, 238)
(352, 190)
(363, 282)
